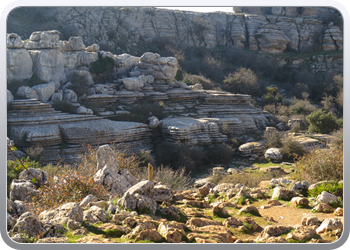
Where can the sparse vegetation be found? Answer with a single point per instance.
(320, 165)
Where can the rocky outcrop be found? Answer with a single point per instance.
(35, 123)
(300, 26)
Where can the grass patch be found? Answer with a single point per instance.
(181, 218)
(333, 187)
(255, 213)
(243, 200)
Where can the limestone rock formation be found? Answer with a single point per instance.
(58, 128)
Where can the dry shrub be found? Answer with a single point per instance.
(126, 159)
(177, 179)
(295, 128)
(337, 140)
(273, 139)
(250, 179)
(193, 79)
(63, 188)
(301, 107)
(291, 148)
(243, 81)
(321, 165)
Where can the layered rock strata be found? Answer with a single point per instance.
(62, 135)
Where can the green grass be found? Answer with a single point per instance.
(332, 187)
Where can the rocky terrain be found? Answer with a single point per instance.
(194, 116)
(274, 212)
(86, 81)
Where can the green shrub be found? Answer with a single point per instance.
(333, 187)
(14, 168)
(301, 107)
(320, 165)
(102, 65)
(322, 122)
(179, 75)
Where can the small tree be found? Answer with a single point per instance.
(322, 122)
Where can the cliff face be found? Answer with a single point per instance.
(269, 29)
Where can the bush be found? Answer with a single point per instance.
(332, 187)
(193, 79)
(14, 168)
(303, 107)
(291, 148)
(179, 75)
(320, 165)
(337, 140)
(243, 81)
(177, 179)
(322, 122)
(273, 139)
(63, 188)
(102, 65)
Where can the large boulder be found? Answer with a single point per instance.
(300, 187)
(138, 198)
(272, 231)
(19, 65)
(161, 68)
(14, 41)
(76, 43)
(329, 224)
(95, 215)
(273, 154)
(326, 198)
(283, 193)
(27, 92)
(45, 91)
(106, 156)
(137, 83)
(29, 225)
(250, 148)
(48, 65)
(22, 190)
(61, 215)
(162, 192)
(40, 175)
(70, 96)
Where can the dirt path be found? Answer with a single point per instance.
(288, 215)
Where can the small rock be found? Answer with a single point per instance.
(329, 224)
